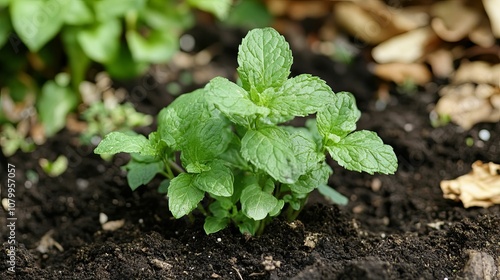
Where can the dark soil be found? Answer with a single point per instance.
(394, 227)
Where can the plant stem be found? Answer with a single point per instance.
(175, 166)
(202, 209)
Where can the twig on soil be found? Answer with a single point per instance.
(237, 271)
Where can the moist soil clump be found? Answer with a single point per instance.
(394, 227)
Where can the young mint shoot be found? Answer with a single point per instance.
(239, 163)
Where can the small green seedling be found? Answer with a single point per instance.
(237, 156)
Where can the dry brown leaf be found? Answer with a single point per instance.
(407, 47)
(299, 10)
(113, 225)
(467, 104)
(481, 187)
(370, 21)
(492, 8)
(402, 72)
(441, 62)
(478, 72)
(482, 35)
(453, 20)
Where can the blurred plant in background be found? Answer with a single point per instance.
(48, 46)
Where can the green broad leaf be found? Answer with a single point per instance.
(4, 3)
(196, 167)
(119, 142)
(245, 224)
(37, 22)
(167, 15)
(339, 118)
(233, 158)
(54, 104)
(163, 187)
(305, 147)
(215, 224)
(78, 13)
(257, 204)
(216, 181)
(264, 60)
(277, 209)
(106, 9)
(271, 150)
(55, 168)
(233, 101)
(5, 27)
(205, 141)
(333, 195)
(140, 173)
(183, 195)
(123, 66)
(182, 116)
(78, 61)
(312, 179)
(364, 151)
(299, 96)
(156, 146)
(158, 47)
(101, 42)
(219, 8)
(219, 208)
(249, 14)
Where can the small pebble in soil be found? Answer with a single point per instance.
(187, 42)
(219, 239)
(484, 135)
(28, 184)
(380, 105)
(103, 218)
(408, 127)
(82, 184)
(141, 221)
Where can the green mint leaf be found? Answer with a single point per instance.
(299, 96)
(277, 209)
(245, 224)
(339, 118)
(220, 207)
(119, 142)
(270, 149)
(141, 173)
(233, 101)
(163, 187)
(256, 203)
(364, 151)
(205, 140)
(333, 195)
(195, 127)
(264, 60)
(215, 224)
(217, 181)
(186, 112)
(196, 167)
(232, 156)
(305, 147)
(183, 195)
(313, 179)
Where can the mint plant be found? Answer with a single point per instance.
(237, 152)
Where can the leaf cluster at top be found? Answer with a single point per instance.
(235, 147)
